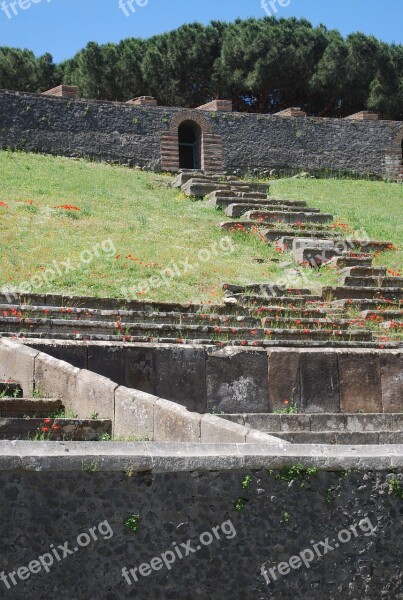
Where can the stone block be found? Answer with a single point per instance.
(263, 422)
(371, 422)
(134, 414)
(71, 352)
(237, 380)
(360, 382)
(139, 367)
(180, 376)
(295, 423)
(284, 378)
(17, 362)
(219, 431)
(392, 381)
(57, 379)
(108, 361)
(328, 422)
(173, 423)
(320, 389)
(259, 437)
(94, 395)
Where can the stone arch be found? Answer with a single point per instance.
(208, 146)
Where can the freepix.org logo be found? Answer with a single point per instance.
(270, 7)
(11, 9)
(128, 7)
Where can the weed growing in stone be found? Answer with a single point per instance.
(246, 482)
(133, 523)
(91, 467)
(396, 488)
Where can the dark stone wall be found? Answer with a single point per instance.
(131, 135)
(279, 520)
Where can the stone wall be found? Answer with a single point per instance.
(134, 414)
(142, 135)
(241, 380)
(54, 493)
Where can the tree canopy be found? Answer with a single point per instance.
(263, 65)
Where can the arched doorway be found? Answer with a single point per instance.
(190, 145)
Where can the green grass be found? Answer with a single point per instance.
(155, 226)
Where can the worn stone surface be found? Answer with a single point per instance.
(360, 382)
(237, 380)
(94, 395)
(180, 376)
(173, 423)
(17, 363)
(320, 382)
(215, 430)
(392, 381)
(134, 414)
(57, 379)
(139, 368)
(56, 507)
(284, 379)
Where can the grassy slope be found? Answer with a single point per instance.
(156, 225)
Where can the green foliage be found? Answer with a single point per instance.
(286, 517)
(295, 472)
(246, 482)
(240, 504)
(264, 65)
(133, 523)
(396, 488)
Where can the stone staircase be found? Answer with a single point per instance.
(39, 419)
(314, 241)
(340, 429)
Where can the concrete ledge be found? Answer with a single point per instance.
(164, 458)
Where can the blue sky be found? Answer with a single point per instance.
(62, 27)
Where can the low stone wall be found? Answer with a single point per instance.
(238, 380)
(134, 414)
(141, 135)
(251, 522)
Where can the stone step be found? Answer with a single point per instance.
(363, 271)
(326, 240)
(200, 188)
(256, 300)
(306, 323)
(239, 196)
(296, 218)
(287, 239)
(10, 389)
(362, 304)
(238, 210)
(78, 314)
(378, 316)
(350, 438)
(278, 342)
(319, 422)
(346, 261)
(364, 293)
(186, 175)
(225, 201)
(373, 282)
(269, 289)
(28, 407)
(291, 313)
(57, 429)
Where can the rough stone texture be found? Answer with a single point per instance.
(215, 430)
(56, 507)
(180, 376)
(237, 380)
(392, 381)
(57, 379)
(108, 361)
(94, 394)
(173, 423)
(135, 135)
(360, 382)
(72, 352)
(134, 414)
(140, 368)
(284, 379)
(17, 362)
(320, 382)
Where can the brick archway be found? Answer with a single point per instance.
(211, 153)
